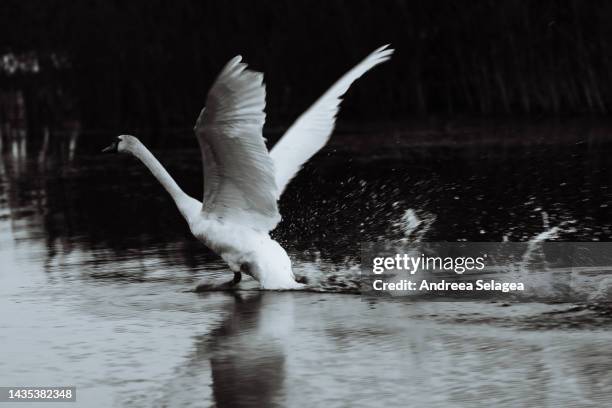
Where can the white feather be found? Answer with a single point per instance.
(312, 129)
(239, 181)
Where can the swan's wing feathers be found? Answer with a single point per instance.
(313, 128)
(238, 172)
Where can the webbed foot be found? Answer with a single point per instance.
(207, 286)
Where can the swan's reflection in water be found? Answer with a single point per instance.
(247, 356)
(242, 361)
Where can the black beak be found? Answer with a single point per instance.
(112, 148)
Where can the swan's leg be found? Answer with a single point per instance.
(237, 278)
(211, 286)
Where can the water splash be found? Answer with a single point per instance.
(603, 293)
(545, 220)
(413, 227)
(544, 283)
(534, 245)
(325, 275)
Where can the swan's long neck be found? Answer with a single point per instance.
(184, 202)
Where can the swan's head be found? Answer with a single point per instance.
(122, 144)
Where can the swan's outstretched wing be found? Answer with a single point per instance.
(238, 172)
(313, 128)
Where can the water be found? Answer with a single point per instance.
(97, 268)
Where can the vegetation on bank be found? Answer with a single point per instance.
(148, 64)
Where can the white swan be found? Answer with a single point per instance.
(242, 181)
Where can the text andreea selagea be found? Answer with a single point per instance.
(490, 285)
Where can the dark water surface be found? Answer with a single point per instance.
(97, 267)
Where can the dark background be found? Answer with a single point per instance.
(147, 65)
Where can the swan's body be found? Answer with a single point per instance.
(248, 250)
(242, 180)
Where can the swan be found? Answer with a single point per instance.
(242, 180)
